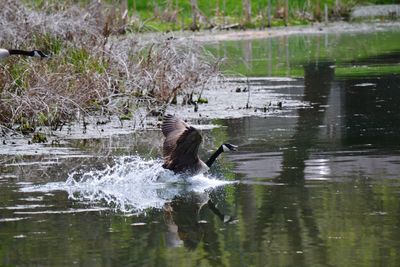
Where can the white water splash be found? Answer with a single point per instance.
(130, 185)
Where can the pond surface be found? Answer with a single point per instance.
(313, 185)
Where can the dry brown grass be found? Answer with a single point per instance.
(93, 68)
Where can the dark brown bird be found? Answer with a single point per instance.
(181, 147)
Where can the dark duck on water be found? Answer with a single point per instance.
(181, 145)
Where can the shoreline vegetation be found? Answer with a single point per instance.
(93, 69)
(100, 66)
(195, 15)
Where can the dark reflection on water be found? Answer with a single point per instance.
(317, 84)
(373, 111)
(319, 187)
(292, 203)
(349, 135)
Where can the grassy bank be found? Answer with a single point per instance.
(93, 69)
(172, 15)
(176, 15)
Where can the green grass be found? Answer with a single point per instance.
(158, 15)
(48, 43)
(233, 11)
(361, 71)
(234, 7)
(84, 61)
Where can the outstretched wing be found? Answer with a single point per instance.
(181, 144)
(172, 124)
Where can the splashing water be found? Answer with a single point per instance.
(130, 185)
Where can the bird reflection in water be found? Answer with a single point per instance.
(184, 219)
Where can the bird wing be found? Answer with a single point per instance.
(181, 144)
(172, 128)
(172, 124)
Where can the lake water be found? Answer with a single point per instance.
(311, 185)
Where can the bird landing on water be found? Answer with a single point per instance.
(181, 146)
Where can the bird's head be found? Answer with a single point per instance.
(38, 53)
(229, 147)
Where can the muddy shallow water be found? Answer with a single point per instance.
(315, 181)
